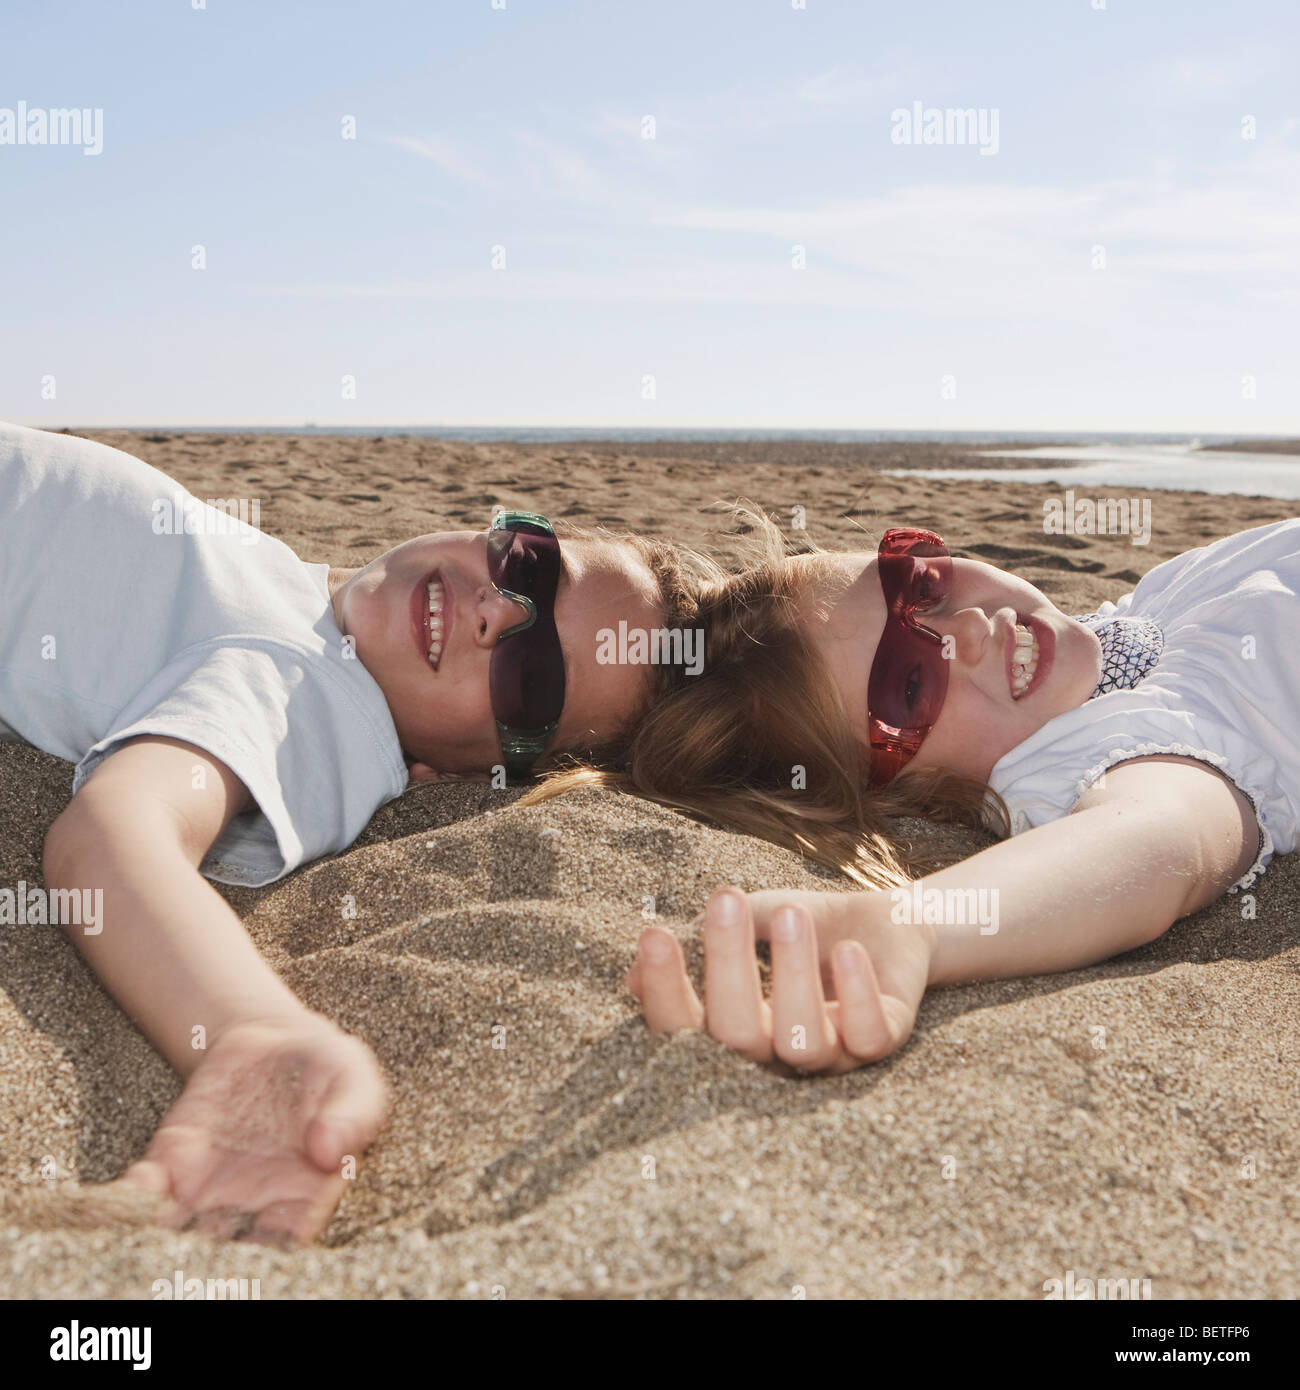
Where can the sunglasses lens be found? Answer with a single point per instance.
(914, 573)
(526, 673)
(909, 676)
(909, 679)
(527, 678)
(525, 560)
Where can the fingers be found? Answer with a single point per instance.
(286, 1224)
(348, 1116)
(281, 1224)
(735, 1010)
(803, 1033)
(222, 1223)
(145, 1189)
(668, 999)
(148, 1176)
(872, 1016)
(764, 903)
(865, 1029)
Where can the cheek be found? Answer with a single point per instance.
(449, 715)
(607, 697)
(971, 727)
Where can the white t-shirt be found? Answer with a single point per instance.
(1225, 689)
(119, 621)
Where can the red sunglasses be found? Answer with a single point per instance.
(909, 676)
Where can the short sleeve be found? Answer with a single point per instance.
(1264, 846)
(1223, 691)
(1044, 777)
(294, 728)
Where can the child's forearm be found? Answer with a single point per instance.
(169, 949)
(1063, 895)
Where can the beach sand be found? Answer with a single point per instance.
(1002, 1147)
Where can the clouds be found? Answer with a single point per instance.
(448, 155)
(1198, 80)
(1003, 250)
(839, 88)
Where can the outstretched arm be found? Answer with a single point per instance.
(276, 1095)
(1162, 837)
(169, 948)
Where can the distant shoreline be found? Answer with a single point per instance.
(1258, 446)
(665, 441)
(832, 456)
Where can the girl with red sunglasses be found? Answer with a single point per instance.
(1138, 762)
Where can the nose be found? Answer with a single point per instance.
(974, 632)
(496, 615)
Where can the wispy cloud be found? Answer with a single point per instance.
(554, 166)
(450, 157)
(995, 253)
(1195, 80)
(839, 88)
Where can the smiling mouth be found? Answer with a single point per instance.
(1030, 652)
(1024, 660)
(431, 617)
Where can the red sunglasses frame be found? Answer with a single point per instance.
(906, 557)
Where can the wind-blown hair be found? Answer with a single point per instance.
(759, 742)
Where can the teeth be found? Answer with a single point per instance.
(1024, 662)
(435, 621)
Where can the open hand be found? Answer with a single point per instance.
(253, 1147)
(834, 945)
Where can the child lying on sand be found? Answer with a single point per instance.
(1146, 759)
(234, 713)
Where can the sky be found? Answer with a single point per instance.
(679, 213)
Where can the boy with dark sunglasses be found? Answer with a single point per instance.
(233, 713)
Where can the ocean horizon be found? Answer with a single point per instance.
(630, 434)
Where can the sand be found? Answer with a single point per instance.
(999, 1149)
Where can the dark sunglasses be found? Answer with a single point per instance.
(526, 673)
(909, 676)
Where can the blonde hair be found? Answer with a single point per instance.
(724, 745)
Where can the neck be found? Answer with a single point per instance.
(338, 578)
